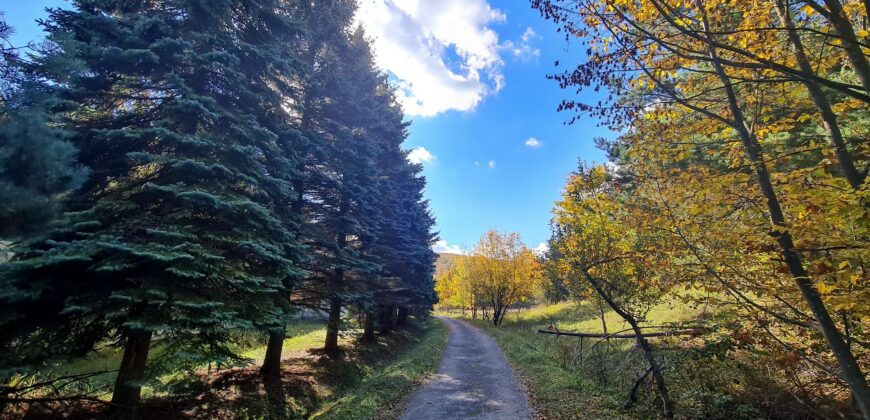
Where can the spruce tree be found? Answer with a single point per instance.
(184, 228)
(338, 186)
(37, 163)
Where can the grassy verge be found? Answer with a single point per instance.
(380, 393)
(709, 377)
(361, 382)
(557, 387)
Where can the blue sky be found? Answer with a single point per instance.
(472, 77)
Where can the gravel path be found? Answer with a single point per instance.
(474, 381)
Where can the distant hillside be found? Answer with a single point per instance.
(446, 261)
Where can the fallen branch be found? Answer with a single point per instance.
(693, 332)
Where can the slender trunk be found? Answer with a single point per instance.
(848, 364)
(131, 373)
(369, 329)
(402, 316)
(394, 317)
(385, 317)
(632, 394)
(829, 119)
(333, 325)
(272, 360)
(646, 348)
(603, 320)
(853, 48)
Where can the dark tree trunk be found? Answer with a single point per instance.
(272, 360)
(829, 119)
(369, 328)
(386, 318)
(646, 348)
(333, 325)
(603, 319)
(632, 394)
(402, 316)
(131, 373)
(394, 317)
(848, 364)
(854, 50)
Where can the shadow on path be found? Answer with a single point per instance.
(474, 381)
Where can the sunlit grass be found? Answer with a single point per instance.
(380, 392)
(366, 381)
(556, 390)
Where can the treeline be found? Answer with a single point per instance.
(178, 171)
(740, 174)
(500, 273)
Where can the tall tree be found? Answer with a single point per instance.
(178, 231)
(702, 73)
(37, 163)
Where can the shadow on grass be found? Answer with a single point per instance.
(310, 381)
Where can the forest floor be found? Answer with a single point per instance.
(362, 382)
(474, 381)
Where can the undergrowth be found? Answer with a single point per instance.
(708, 377)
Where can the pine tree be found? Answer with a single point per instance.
(184, 228)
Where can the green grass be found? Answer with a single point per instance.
(709, 377)
(557, 389)
(360, 382)
(379, 393)
(300, 335)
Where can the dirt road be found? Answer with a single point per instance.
(474, 381)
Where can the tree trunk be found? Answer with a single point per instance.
(632, 394)
(853, 48)
(402, 316)
(272, 360)
(333, 325)
(131, 373)
(848, 365)
(369, 329)
(386, 316)
(603, 319)
(646, 348)
(829, 119)
(394, 317)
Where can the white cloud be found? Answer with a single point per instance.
(442, 247)
(491, 164)
(529, 34)
(533, 143)
(523, 48)
(541, 249)
(420, 155)
(443, 54)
